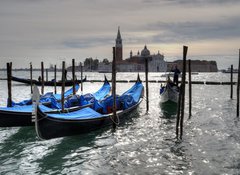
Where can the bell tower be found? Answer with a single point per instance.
(118, 47)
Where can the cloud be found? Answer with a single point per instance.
(83, 28)
(89, 42)
(195, 30)
(192, 2)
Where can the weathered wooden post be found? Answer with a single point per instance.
(31, 77)
(178, 110)
(114, 88)
(231, 79)
(185, 49)
(46, 74)
(9, 82)
(238, 84)
(63, 85)
(81, 77)
(55, 79)
(42, 78)
(73, 76)
(146, 78)
(190, 88)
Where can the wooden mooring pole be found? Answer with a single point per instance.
(55, 79)
(181, 105)
(31, 76)
(42, 77)
(238, 84)
(231, 79)
(9, 82)
(190, 88)
(146, 79)
(73, 76)
(81, 77)
(114, 88)
(63, 85)
(46, 74)
(185, 49)
(178, 110)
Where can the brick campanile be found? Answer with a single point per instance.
(118, 47)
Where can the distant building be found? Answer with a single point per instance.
(156, 62)
(135, 63)
(104, 68)
(196, 65)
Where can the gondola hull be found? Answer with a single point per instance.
(169, 99)
(12, 119)
(48, 128)
(46, 83)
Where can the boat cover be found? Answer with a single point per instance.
(82, 100)
(102, 92)
(85, 113)
(25, 108)
(125, 101)
(128, 99)
(47, 97)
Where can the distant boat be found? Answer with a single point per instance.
(229, 70)
(46, 83)
(169, 98)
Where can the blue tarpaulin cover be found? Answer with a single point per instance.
(47, 97)
(85, 113)
(125, 101)
(25, 108)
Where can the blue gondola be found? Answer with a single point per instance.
(87, 119)
(22, 115)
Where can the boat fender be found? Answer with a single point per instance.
(109, 109)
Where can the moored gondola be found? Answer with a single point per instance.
(23, 115)
(169, 98)
(88, 119)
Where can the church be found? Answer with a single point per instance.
(135, 63)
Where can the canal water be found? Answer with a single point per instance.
(144, 144)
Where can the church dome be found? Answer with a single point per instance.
(145, 52)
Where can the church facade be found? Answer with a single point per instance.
(136, 63)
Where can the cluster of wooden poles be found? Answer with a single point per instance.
(9, 80)
(181, 102)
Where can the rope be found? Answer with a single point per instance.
(118, 121)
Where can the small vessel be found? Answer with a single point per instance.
(50, 126)
(169, 95)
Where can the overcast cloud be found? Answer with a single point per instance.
(56, 30)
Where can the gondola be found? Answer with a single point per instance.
(50, 126)
(169, 98)
(23, 115)
(46, 83)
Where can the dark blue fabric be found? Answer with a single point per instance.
(103, 91)
(125, 101)
(85, 113)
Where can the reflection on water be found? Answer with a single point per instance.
(169, 108)
(144, 143)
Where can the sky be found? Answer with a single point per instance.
(60, 30)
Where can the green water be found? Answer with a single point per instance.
(144, 143)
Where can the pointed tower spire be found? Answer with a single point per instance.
(118, 47)
(119, 34)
